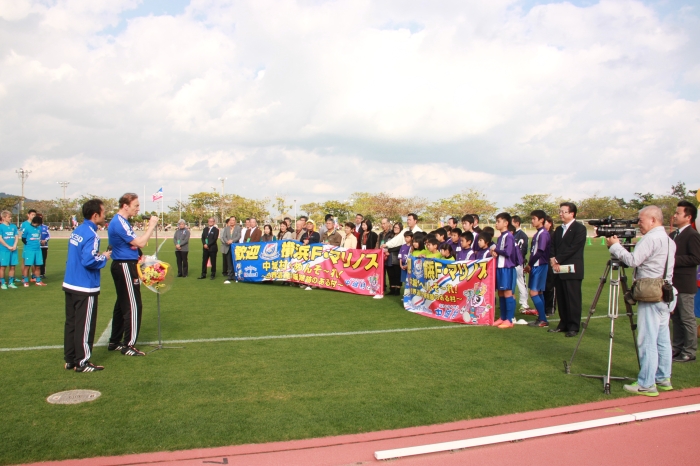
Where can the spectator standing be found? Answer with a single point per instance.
(331, 235)
(210, 238)
(392, 261)
(244, 230)
(549, 290)
(310, 236)
(368, 238)
(230, 236)
(300, 228)
(567, 249)
(284, 232)
(653, 255)
(253, 234)
(267, 234)
(350, 241)
(398, 240)
(687, 240)
(521, 241)
(181, 239)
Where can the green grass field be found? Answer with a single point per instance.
(249, 391)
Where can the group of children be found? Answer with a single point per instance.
(467, 244)
(34, 235)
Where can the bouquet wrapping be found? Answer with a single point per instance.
(154, 275)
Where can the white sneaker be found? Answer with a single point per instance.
(227, 282)
(308, 288)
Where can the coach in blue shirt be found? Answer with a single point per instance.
(126, 319)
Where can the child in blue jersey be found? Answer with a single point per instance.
(538, 266)
(404, 252)
(465, 253)
(506, 254)
(32, 251)
(9, 237)
(31, 213)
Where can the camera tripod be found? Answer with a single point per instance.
(616, 270)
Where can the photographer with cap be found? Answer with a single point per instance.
(653, 255)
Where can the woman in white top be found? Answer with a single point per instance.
(350, 242)
(284, 232)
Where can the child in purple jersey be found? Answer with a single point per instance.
(482, 250)
(538, 266)
(507, 258)
(465, 252)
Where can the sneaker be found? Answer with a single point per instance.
(132, 351)
(308, 288)
(664, 385)
(115, 347)
(69, 366)
(26, 284)
(12, 285)
(538, 323)
(226, 282)
(528, 312)
(639, 390)
(3, 287)
(88, 367)
(498, 322)
(40, 284)
(506, 324)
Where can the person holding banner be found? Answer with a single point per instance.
(284, 232)
(310, 236)
(331, 235)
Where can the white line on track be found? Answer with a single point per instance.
(103, 341)
(104, 338)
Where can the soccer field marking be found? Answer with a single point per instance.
(103, 341)
(104, 338)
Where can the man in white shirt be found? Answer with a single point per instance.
(653, 254)
(244, 230)
(398, 240)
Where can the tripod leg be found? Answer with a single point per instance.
(591, 311)
(630, 314)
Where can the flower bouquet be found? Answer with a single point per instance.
(154, 274)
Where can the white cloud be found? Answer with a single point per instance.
(320, 99)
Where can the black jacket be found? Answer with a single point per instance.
(687, 260)
(210, 236)
(569, 249)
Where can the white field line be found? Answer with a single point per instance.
(526, 434)
(104, 338)
(103, 341)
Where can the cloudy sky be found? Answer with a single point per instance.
(316, 99)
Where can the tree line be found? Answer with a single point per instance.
(374, 206)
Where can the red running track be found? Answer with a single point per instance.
(661, 441)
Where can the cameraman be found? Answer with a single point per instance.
(653, 253)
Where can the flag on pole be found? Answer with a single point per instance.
(158, 195)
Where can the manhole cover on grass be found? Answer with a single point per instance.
(72, 397)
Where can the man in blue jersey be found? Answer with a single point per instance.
(81, 286)
(126, 319)
(26, 225)
(9, 239)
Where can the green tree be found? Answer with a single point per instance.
(281, 206)
(599, 207)
(375, 206)
(530, 202)
(466, 202)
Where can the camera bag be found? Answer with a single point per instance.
(653, 290)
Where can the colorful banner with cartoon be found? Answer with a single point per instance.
(321, 265)
(461, 292)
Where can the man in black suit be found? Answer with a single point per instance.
(567, 249)
(685, 337)
(210, 237)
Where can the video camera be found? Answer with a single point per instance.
(609, 226)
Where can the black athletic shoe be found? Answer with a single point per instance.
(115, 347)
(88, 367)
(132, 351)
(69, 366)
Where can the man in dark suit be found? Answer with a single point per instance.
(210, 237)
(252, 234)
(685, 337)
(567, 249)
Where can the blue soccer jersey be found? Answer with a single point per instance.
(33, 235)
(120, 236)
(9, 234)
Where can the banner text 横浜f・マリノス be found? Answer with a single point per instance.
(460, 292)
(321, 265)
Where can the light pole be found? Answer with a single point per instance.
(64, 185)
(221, 199)
(295, 213)
(23, 175)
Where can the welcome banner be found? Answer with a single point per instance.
(460, 292)
(322, 265)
